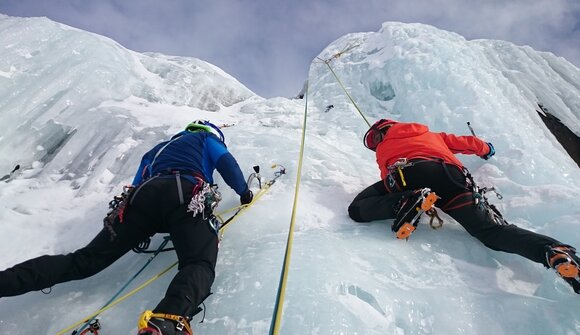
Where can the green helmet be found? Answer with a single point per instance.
(204, 125)
(198, 125)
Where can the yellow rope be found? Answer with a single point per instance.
(119, 300)
(276, 320)
(242, 209)
(278, 308)
(327, 62)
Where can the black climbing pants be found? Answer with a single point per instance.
(376, 202)
(155, 207)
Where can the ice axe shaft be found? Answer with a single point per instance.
(471, 129)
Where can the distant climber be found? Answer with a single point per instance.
(172, 192)
(329, 107)
(303, 91)
(418, 168)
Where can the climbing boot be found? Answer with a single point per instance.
(564, 260)
(163, 324)
(410, 209)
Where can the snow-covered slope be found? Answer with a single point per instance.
(54, 78)
(78, 111)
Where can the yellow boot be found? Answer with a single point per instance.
(163, 324)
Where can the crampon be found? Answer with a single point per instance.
(564, 260)
(412, 207)
(163, 324)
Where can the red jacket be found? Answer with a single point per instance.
(414, 140)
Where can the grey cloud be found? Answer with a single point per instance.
(268, 45)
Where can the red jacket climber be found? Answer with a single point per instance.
(419, 169)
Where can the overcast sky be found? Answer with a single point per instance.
(268, 45)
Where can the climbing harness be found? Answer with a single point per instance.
(398, 166)
(481, 201)
(216, 221)
(117, 209)
(473, 195)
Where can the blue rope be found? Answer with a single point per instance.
(166, 239)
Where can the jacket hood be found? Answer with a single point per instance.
(402, 130)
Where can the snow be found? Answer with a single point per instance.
(78, 110)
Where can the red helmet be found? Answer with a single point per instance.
(376, 133)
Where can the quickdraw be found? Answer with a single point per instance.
(205, 200)
(480, 199)
(277, 174)
(433, 214)
(399, 165)
(117, 209)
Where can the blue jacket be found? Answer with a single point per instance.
(192, 153)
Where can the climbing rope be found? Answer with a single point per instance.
(279, 306)
(327, 63)
(277, 316)
(118, 300)
(90, 320)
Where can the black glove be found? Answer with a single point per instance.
(247, 197)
